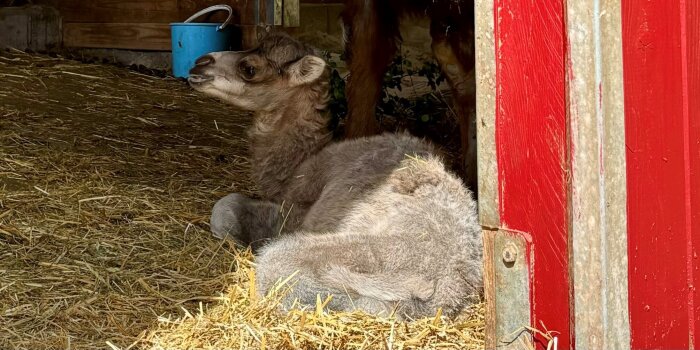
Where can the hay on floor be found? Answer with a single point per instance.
(107, 178)
(241, 320)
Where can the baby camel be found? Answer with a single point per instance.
(377, 222)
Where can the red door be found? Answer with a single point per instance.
(589, 113)
(661, 41)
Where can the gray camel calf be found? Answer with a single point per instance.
(377, 223)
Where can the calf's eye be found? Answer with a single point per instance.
(247, 71)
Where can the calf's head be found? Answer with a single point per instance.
(264, 78)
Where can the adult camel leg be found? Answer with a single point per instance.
(453, 47)
(371, 34)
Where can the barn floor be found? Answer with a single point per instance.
(107, 177)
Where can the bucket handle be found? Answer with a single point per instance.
(211, 9)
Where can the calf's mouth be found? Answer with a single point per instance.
(198, 74)
(198, 79)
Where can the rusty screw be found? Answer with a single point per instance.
(510, 253)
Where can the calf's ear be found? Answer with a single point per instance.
(306, 70)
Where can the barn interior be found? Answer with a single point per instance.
(109, 167)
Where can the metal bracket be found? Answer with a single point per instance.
(507, 262)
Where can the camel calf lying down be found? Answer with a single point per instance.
(375, 222)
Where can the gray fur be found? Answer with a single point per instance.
(248, 219)
(376, 222)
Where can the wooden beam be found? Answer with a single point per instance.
(244, 10)
(485, 72)
(486, 115)
(152, 11)
(278, 10)
(292, 13)
(136, 36)
(322, 1)
(489, 238)
(119, 11)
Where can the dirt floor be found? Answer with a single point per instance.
(107, 178)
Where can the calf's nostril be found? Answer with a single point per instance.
(204, 60)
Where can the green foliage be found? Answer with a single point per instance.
(425, 108)
(338, 105)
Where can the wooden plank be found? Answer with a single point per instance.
(486, 115)
(489, 237)
(322, 1)
(249, 36)
(660, 170)
(598, 196)
(485, 71)
(30, 28)
(278, 10)
(267, 12)
(531, 137)
(119, 11)
(152, 11)
(244, 10)
(137, 36)
(292, 13)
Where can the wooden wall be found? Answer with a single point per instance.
(143, 24)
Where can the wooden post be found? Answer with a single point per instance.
(487, 163)
(292, 13)
(278, 10)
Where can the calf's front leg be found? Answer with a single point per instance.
(248, 221)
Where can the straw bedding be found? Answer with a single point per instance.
(107, 177)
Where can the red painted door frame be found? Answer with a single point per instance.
(661, 63)
(531, 139)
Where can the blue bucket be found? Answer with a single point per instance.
(192, 40)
